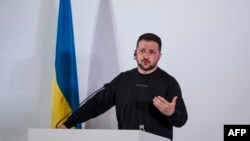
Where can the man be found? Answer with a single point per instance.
(145, 97)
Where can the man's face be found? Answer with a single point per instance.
(147, 56)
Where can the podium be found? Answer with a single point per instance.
(91, 135)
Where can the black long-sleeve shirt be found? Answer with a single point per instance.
(132, 93)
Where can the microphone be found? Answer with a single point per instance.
(83, 102)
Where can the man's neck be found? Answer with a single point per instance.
(141, 71)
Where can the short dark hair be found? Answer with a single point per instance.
(150, 37)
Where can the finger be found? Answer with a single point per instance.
(174, 100)
(161, 99)
(157, 102)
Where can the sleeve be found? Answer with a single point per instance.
(98, 104)
(180, 115)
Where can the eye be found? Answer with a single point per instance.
(141, 51)
(152, 52)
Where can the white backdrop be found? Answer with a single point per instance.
(206, 46)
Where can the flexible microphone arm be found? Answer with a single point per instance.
(82, 103)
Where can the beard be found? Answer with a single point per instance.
(146, 67)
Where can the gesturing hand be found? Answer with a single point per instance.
(165, 107)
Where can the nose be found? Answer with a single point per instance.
(146, 54)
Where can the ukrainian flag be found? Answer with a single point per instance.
(65, 97)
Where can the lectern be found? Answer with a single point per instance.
(91, 135)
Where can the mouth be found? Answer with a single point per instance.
(145, 62)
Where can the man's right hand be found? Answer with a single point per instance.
(62, 126)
